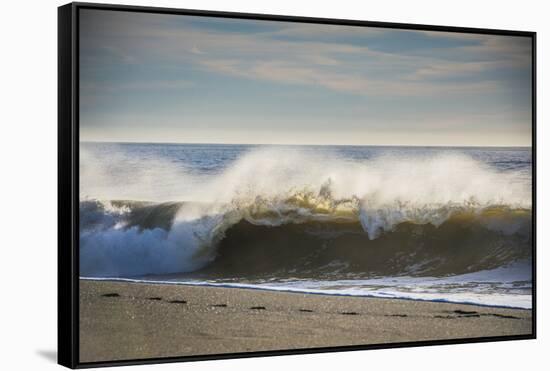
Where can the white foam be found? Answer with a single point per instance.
(508, 286)
(273, 186)
(521, 300)
(108, 249)
(381, 192)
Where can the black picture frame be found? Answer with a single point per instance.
(68, 181)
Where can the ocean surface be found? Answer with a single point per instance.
(426, 223)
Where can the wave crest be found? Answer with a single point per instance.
(136, 238)
(274, 188)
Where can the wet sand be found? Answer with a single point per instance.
(120, 321)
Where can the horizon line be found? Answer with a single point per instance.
(304, 144)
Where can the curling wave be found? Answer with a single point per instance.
(296, 213)
(135, 238)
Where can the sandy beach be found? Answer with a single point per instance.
(121, 321)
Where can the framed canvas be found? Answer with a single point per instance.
(238, 185)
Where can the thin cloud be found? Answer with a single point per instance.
(160, 65)
(284, 72)
(307, 61)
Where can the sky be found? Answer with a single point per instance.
(188, 79)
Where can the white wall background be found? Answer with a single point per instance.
(28, 182)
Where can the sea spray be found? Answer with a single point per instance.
(238, 212)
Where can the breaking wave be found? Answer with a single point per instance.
(296, 213)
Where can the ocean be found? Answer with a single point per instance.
(426, 223)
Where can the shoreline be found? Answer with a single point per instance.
(129, 320)
(291, 291)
